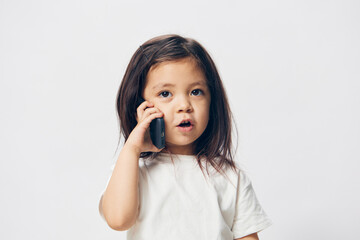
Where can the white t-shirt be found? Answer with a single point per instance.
(178, 202)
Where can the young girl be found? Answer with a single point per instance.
(163, 193)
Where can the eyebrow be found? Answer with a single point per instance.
(162, 85)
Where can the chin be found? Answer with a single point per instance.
(179, 143)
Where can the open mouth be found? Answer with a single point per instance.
(185, 124)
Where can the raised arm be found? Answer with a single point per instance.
(120, 202)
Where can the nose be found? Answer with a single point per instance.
(184, 105)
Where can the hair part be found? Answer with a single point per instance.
(215, 144)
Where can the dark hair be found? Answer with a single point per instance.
(215, 143)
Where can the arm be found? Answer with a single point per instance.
(253, 236)
(120, 202)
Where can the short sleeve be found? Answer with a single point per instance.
(249, 215)
(103, 191)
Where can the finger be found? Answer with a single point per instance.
(145, 104)
(140, 109)
(148, 112)
(146, 122)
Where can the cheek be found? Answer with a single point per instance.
(204, 109)
(205, 115)
(166, 112)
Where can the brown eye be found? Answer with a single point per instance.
(197, 92)
(164, 94)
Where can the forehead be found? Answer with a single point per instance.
(176, 73)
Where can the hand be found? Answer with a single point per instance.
(139, 138)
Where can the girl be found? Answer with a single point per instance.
(179, 82)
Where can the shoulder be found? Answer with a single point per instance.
(244, 178)
(238, 178)
(242, 175)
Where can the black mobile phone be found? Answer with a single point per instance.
(157, 130)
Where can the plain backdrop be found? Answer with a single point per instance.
(291, 71)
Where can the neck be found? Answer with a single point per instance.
(181, 150)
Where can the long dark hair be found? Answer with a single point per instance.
(215, 143)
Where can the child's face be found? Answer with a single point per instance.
(179, 90)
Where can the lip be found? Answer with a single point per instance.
(185, 129)
(186, 120)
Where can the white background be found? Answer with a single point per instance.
(291, 71)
